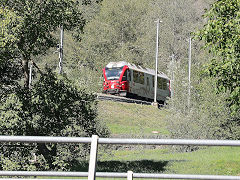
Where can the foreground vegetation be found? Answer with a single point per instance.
(212, 160)
(157, 159)
(132, 120)
(207, 161)
(99, 31)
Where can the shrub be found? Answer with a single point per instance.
(207, 116)
(53, 107)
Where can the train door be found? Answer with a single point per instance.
(125, 80)
(152, 81)
(148, 83)
(125, 76)
(130, 79)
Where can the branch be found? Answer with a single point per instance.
(39, 70)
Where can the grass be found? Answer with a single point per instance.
(214, 160)
(132, 120)
(206, 161)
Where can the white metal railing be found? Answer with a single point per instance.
(95, 140)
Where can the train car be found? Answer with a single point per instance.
(125, 79)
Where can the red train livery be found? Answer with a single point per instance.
(127, 79)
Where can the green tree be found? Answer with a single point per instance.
(10, 25)
(221, 35)
(53, 108)
(126, 30)
(10, 70)
(111, 35)
(208, 115)
(39, 20)
(175, 29)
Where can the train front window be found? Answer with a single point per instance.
(113, 73)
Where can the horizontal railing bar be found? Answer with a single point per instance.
(119, 175)
(170, 142)
(185, 176)
(44, 139)
(61, 174)
(43, 173)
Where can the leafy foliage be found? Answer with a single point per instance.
(10, 73)
(221, 35)
(209, 116)
(39, 19)
(204, 114)
(10, 26)
(52, 108)
(112, 34)
(126, 30)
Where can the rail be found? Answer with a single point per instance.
(95, 140)
(122, 99)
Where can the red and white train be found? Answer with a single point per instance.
(127, 79)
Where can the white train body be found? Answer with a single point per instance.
(134, 80)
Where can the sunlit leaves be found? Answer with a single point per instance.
(10, 25)
(221, 35)
(39, 20)
(53, 108)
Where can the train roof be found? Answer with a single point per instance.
(136, 67)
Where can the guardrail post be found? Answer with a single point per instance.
(129, 175)
(93, 158)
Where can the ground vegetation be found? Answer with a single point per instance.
(96, 32)
(53, 107)
(210, 111)
(221, 37)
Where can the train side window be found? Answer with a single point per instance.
(160, 81)
(141, 77)
(135, 76)
(138, 77)
(159, 86)
(164, 84)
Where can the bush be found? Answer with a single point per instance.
(208, 116)
(53, 107)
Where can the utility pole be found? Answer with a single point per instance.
(189, 71)
(30, 75)
(156, 66)
(172, 74)
(61, 50)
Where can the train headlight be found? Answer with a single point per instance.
(112, 86)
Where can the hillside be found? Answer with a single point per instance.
(204, 103)
(142, 121)
(133, 120)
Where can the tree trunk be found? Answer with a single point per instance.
(25, 63)
(47, 154)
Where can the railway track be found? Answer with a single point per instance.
(121, 99)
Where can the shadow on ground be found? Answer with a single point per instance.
(143, 166)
